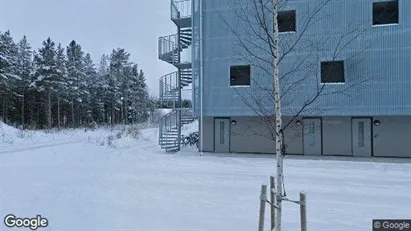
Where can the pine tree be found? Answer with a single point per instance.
(103, 86)
(140, 99)
(51, 86)
(24, 69)
(76, 80)
(63, 88)
(143, 97)
(91, 103)
(46, 77)
(119, 61)
(8, 77)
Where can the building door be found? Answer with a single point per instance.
(221, 135)
(361, 137)
(312, 140)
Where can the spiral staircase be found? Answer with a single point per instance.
(170, 48)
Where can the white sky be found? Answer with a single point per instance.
(97, 25)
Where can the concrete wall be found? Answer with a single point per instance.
(208, 134)
(390, 139)
(393, 136)
(250, 134)
(337, 136)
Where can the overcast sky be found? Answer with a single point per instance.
(97, 25)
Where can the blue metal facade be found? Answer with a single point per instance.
(377, 59)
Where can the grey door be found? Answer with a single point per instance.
(361, 137)
(312, 141)
(221, 135)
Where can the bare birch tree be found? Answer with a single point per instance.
(287, 67)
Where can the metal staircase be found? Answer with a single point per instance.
(169, 50)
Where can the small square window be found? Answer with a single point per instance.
(385, 12)
(240, 75)
(332, 72)
(286, 21)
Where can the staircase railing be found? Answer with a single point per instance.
(187, 114)
(168, 124)
(169, 87)
(169, 50)
(180, 9)
(167, 45)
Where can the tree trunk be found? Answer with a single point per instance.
(37, 117)
(58, 111)
(22, 111)
(4, 110)
(278, 123)
(112, 113)
(72, 113)
(49, 109)
(31, 105)
(79, 114)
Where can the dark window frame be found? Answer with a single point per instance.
(282, 17)
(380, 15)
(327, 76)
(237, 73)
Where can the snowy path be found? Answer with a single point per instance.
(39, 146)
(83, 186)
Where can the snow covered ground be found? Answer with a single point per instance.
(87, 181)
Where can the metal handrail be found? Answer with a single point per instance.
(168, 84)
(167, 44)
(180, 9)
(168, 122)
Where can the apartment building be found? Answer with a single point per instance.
(345, 75)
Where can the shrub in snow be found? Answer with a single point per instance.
(21, 134)
(134, 131)
(92, 125)
(110, 139)
(192, 139)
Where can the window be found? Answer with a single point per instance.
(311, 130)
(332, 72)
(240, 75)
(221, 132)
(385, 12)
(361, 134)
(286, 21)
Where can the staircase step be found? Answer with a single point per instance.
(187, 36)
(169, 137)
(170, 146)
(173, 149)
(185, 40)
(167, 142)
(186, 31)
